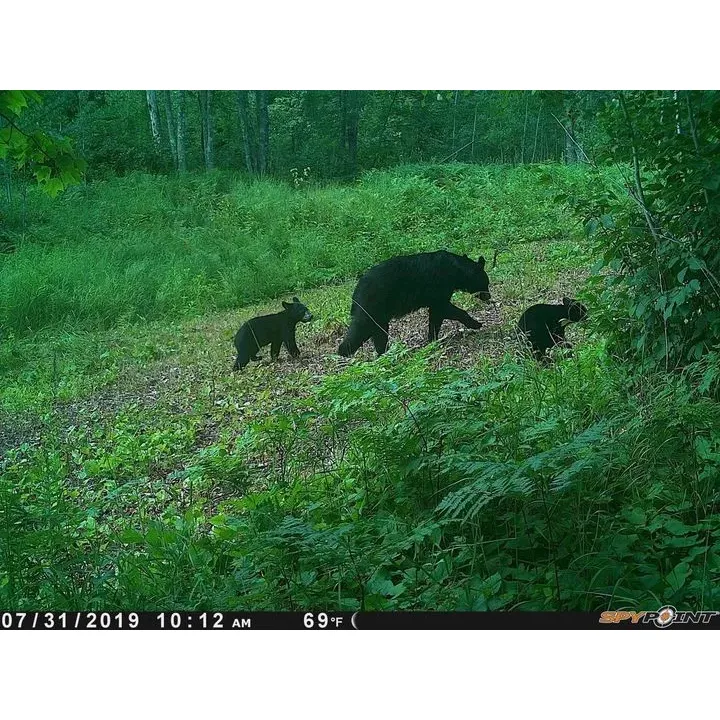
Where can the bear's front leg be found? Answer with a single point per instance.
(291, 344)
(275, 350)
(452, 312)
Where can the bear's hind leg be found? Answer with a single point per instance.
(435, 320)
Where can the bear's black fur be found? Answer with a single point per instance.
(405, 283)
(277, 329)
(541, 324)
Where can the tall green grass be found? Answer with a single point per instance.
(144, 247)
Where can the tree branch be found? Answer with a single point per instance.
(649, 218)
(648, 215)
(24, 134)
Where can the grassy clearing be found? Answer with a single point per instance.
(143, 248)
(108, 424)
(138, 472)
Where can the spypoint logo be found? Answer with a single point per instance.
(662, 618)
(665, 616)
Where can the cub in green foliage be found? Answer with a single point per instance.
(278, 329)
(544, 325)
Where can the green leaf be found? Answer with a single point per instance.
(53, 186)
(677, 528)
(13, 101)
(607, 221)
(42, 173)
(131, 536)
(636, 516)
(591, 226)
(678, 575)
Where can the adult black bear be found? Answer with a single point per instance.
(542, 324)
(405, 283)
(277, 329)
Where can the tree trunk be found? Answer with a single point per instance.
(352, 122)
(167, 104)
(263, 121)
(210, 134)
(573, 148)
(181, 131)
(8, 183)
(522, 147)
(537, 127)
(246, 128)
(154, 117)
(570, 148)
(341, 162)
(454, 118)
(349, 101)
(205, 97)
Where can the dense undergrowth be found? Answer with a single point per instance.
(389, 485)
(411, 482)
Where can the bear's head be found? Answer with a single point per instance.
(298, 312)
(576, 311)
(476, 279)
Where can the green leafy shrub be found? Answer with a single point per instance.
(401, 487)
(655, 222)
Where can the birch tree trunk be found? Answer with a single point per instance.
(154, 117)
(207, 129)
(570, 149)
(246, 127)
(573, 151)
(263, 121)
(181, 131)
(169, 118)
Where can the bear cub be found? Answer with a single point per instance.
(277, 329)
(543, 325)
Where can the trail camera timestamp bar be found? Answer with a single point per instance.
(173, 621)
(667, 617)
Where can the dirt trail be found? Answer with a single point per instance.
(175, 383)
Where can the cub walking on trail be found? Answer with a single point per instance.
(543, 324)
(277, 329)
(406, 283)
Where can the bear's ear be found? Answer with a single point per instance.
(287, 306)
(295, 300)
(481, 262)
(567, 301)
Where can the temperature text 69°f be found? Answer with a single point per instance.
(321, 621)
